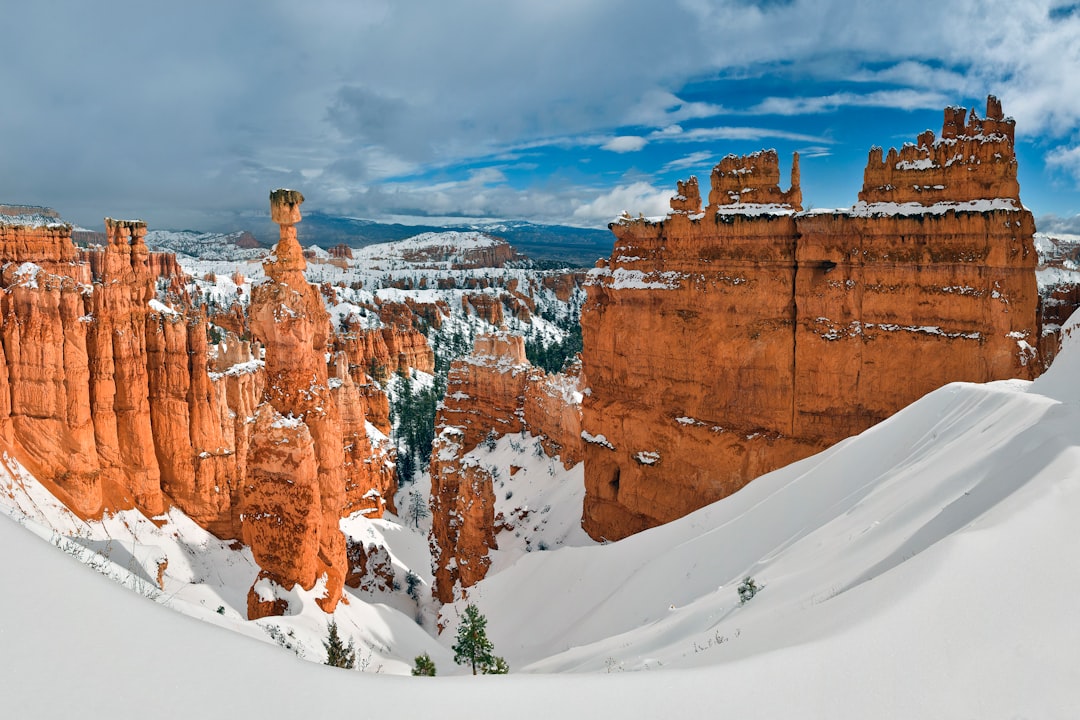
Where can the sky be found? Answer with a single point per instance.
(563, 111)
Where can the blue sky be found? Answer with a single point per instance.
(557, 111)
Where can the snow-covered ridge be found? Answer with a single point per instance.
(444, 249)
(201, 245)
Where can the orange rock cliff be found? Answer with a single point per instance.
(493, 390)
(115, 399)
(720, 344)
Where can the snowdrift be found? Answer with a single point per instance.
(926, 568)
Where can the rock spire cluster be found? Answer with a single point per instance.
(115, 399)
(722, 344)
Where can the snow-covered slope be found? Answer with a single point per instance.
(926, 568)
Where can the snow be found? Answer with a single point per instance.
(161, 308)
(755, 209)
(930, 557)
(925, 568)
(26, 274)
(863, 209)
(596, 439)
(920, 164)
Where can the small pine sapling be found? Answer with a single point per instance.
(747, 590)
(423, 666)
(339, 654)
(472, 646)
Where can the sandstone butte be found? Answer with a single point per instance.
(724, 342)
(493, 390)
(116, 400)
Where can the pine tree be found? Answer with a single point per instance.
(412, 582)
(417, 509)
(424, 666)
(337, 653)
(472, 646)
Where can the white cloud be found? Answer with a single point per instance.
(636, 198)
(660, 107)
(1065, 159)
(676, 133)
(366, 92)
(917, 74)
(625, 143)
(693, 160)
(899, 99)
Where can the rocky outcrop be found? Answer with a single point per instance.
(564, 284)
(552, 410)
(159, 264)
(493, 392)
(749, 179)
(115, 399)
(724, 344)
(379, 352)
(341, 251)
(972, 160)
(295, 486)
(119, 385)
(486, 307)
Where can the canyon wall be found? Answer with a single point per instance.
(113, 396)
(492, 392)
(724, 342)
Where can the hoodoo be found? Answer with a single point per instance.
(115, 399)
(720, 344)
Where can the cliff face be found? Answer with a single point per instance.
(116, 400)
(495, 391)
(379, 352)
(723, 344)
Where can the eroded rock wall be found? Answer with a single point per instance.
(493, 392)
(722, 344)
(115, 399)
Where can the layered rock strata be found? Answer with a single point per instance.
(724, 343)
(493, 392)
(115, 399)
(294, 489)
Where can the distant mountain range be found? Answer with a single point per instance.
(559, 244)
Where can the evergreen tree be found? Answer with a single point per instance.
(417, 509)
(472, 646)
(337, 653)
(412, 582)
(406, 465)
(747, 590)
(424, 666)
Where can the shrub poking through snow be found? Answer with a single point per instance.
(747, 590)
(338, 654)
(423, 666)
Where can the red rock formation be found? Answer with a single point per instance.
(46, 381)
(552, 410)
(494, 390)
(749, 179)
(459, 250)
(971, 161)
(106, 394)
(116, 343)
(370, 480)
(721, 347)
(564, 284)
(370, 567)
(486, 307)
(341, 251)
(295, 487)
(159, 264)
